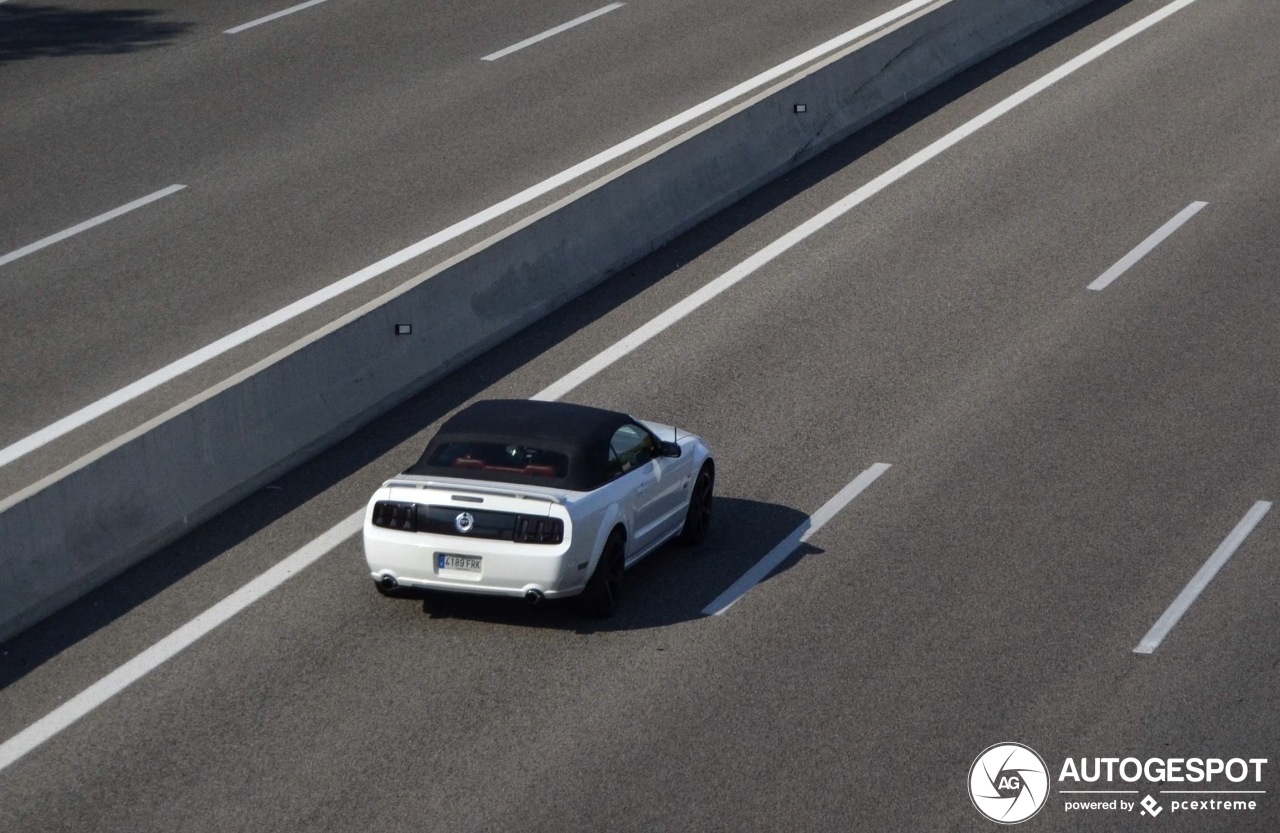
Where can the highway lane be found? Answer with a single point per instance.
(1063, 462)
(90, 40)
(310, 147)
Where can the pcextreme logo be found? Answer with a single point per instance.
(1009, 783)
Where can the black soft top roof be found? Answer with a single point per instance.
(579, 432)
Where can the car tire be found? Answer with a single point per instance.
(697, 520)
(600, 598)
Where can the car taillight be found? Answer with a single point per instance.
(394, 514)
(443, 520)
(539, 530)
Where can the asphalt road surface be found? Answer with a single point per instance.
(1062, 461)
(282, 158)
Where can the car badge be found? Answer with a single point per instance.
(464, 522)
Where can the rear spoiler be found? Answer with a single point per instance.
(483, 490)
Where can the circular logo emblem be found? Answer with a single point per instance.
(1008, 783)
(464, 522)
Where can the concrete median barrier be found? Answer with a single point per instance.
(92, 520)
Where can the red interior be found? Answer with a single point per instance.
(480, 465)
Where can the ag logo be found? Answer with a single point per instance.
(1008, 783)
(464, 522)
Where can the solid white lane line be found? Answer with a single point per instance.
(779, 553)
(577, 21)
(133, 670)
(315, 550)
(88, 224)
(1144, 248)
(190, 362)
(1202, 578)
(829, 215)
(272, 17)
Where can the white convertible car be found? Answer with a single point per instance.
(538, 500)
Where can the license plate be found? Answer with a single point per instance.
(465, 563)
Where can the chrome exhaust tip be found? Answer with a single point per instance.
(388, 582)
(533, 596)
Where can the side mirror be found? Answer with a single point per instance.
(670, 449)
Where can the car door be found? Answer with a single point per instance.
(632, 451)
(673, 482)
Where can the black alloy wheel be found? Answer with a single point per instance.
(697, 522)
(604, 589)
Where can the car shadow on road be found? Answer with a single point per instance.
(672, 585)
(28, 30)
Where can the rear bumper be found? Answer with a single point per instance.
(509, 570)
(479, 589)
